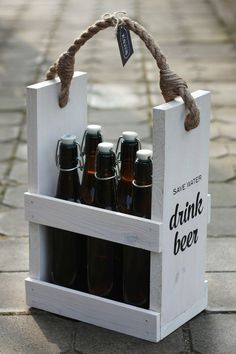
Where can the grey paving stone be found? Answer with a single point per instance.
(12, 223)
(222, 94)
(225, 114)
(217, 149)
(12, 103)
(91, 339)
(115, 118)
(3, 168)
(19, 172)
(21, 152)
(112, 133)
(8, 133)
(221, 291)
(14, 254)
(14, 196)
(223, 222)
(214, 333)
(40, 334)
(231, 146)
(5, 151)
(12, 294)
(108, 96)
(221, 254)
(9, 118)
(199, 51)
(214, 131)
(24, 134)
(221, 170)
(224, 71)
(228, 131)
(115, 121)
(222, 194)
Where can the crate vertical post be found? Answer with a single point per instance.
(46, 123)
(181, 202)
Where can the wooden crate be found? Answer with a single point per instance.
(178, 290)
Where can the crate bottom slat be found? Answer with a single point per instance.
(123, 318)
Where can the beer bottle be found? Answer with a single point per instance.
(92, 138)
(136, 262)
(129, 146)
(101, 253)
(65, 259)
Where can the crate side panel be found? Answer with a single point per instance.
(47, 122)
(185, 203)
(92, 309)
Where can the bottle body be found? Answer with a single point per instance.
(101, 253)
(136, 262)
(66, 259)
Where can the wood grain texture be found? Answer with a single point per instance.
(191, 312)
(91, 221)
(101, 312)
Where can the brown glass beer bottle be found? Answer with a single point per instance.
(66, 261)
(101, 253)
(136, 262)
(92, 138)
(129, 146)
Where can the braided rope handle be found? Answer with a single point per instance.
(171, 84)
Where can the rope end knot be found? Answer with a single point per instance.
(172, 86)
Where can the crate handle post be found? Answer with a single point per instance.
(170, 83)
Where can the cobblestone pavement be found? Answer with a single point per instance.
(198, 47)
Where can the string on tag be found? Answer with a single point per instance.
(117, 16)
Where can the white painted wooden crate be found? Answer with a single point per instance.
(178, 290)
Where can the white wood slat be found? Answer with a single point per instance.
(102, 312)
(100, 223)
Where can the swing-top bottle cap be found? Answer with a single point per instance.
(68, 139)
(129, 136)
(93, 129)
(144, 154)
(105, 148)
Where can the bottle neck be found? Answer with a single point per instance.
(91, 143)
(105, 165)
(68, 156)
(143, 172)
(142, 189)
(68, 180)
(127, 157)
